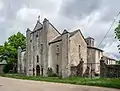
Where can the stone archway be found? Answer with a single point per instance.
(37, 70)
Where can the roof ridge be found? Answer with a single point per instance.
(54, 27)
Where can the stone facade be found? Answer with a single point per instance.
(47, 48)
(61, 53)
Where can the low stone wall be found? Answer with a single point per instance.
(109, 71)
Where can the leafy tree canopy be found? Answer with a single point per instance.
(8, 51)
(117, 32)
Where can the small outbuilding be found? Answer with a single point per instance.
(2, 64)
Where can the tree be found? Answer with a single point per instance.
(17, 40)
(8, 51)
(117, 32)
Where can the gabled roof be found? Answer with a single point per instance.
(58, 38)
(54, 27)
(74, 32)
(37, 26)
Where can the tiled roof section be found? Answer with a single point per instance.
(37, 26)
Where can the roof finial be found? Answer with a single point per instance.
(38, 18)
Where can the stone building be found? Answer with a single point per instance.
(94, 55)
(109, 60)
(2, 64)
(47, 48)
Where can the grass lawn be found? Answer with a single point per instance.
(102, 82)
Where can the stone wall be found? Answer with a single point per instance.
(77, 70)
(109, 71)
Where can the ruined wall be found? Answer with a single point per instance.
(109, 71)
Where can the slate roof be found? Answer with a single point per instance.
(59, 38)
(95, 48)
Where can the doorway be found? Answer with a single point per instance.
(37, 70)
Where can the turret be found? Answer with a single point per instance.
(90, 41)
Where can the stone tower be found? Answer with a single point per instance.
(90, 41)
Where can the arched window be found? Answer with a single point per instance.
(37, 58)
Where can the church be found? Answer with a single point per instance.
(47, 48)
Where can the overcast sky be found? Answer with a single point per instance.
(93, 17)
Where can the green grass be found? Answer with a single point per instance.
(102, 82)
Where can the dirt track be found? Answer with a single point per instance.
(9, 84)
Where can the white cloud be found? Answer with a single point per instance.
(27, 14)
(1, 5)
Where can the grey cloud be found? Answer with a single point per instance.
(10, 9)
(79, 8)
(71, 12)
(113, 7)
